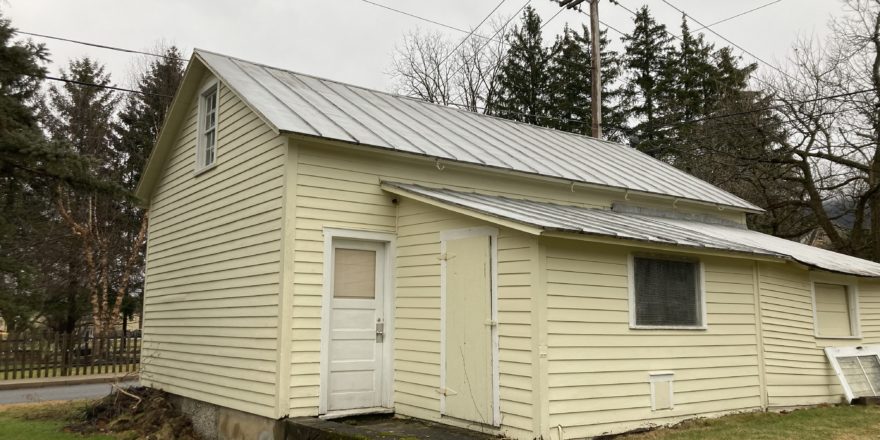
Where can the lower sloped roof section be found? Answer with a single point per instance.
(542, 217)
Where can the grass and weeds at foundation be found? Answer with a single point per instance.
(823, 423)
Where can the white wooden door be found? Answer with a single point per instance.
(356, 345)
(468, 330)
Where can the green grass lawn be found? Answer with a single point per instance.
(826, 423)
(43, 421)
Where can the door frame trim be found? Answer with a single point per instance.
(388, 239)
(455, 234)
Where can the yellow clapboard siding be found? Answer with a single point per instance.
(213, 262)
(599, 367)
(343, 191)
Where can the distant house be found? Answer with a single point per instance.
(321, 249)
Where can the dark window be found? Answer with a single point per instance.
(667, 292)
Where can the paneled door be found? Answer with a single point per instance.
(357, 321)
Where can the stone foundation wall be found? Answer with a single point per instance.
(214, 422)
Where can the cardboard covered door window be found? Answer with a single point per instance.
(354, 274)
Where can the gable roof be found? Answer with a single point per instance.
(301, 104)
(542, 217)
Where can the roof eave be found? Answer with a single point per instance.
(750, 208)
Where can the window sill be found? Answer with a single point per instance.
(203, 170)
(668, 327)
(838, 337)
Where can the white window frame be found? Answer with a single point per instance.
(209, 88)
(701, 292)
(852, 291)
(837, 352)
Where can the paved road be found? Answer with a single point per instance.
(63, 392)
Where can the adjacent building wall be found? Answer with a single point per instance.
(213, 265)
(599, 367)
(798, 373)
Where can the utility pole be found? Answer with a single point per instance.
(596, 67)
(596, 99)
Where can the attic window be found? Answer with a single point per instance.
(207, 145)
(666, 292)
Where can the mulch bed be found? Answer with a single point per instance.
(136, 413)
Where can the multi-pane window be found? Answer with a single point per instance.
(834, 311)
(666, 292)
(208, 138)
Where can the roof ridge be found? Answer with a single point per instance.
(670, 182)
(421, 101)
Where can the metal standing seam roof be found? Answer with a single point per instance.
(303, 104)
(553, 217)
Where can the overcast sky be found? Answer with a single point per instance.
(351, 40)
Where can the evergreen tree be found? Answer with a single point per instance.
(137, 131)
(143, 114)
(31, 240)
(648, 65)
(570, 84)
(522, 83)
(80, 118)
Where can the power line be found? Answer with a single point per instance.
(463, 40)
(601, 22)
(737, 15)
(728, 40)
(418, 17)
(99, 86)
(497, 31)
(101, 46)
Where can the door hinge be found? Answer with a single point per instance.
(491, 323)
(446, 256)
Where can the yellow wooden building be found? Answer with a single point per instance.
(320, 249)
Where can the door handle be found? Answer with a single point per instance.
(380, 329)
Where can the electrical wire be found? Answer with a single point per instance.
(101, 46)
(772, 66)
(100, 86)
(418, 17)
(471, 33)
(737, 15)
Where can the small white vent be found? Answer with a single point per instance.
(662, 392)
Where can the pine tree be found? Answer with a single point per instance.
(522, 84)
(32, 244)
(647, 62)
(136, 133)
(570, 84)
(80, 118)
(143, 114)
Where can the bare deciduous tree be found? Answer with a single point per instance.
(462, 73)
(830, 102)
(110, 257)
